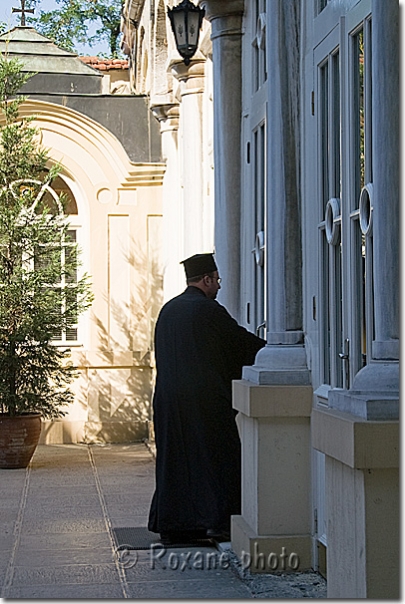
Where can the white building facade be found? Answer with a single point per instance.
(303, 100)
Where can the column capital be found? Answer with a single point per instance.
(222, 8)
(225, 16)
(191, 77)
(182, 72)
(167, 114)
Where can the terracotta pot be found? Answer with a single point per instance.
(19, 436)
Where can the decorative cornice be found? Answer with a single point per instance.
(182, 72)
(225, 17)
(166, 111)
(191, 77)
(215, 9)
(168, 116)
(144, 175)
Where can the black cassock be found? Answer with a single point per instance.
(199, 350)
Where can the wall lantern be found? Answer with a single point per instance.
(186, 20)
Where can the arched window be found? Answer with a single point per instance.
(58, 197)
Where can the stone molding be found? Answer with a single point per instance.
(191, 77)
(286, 401)
(258, 548)
(168, 115)
(280, 364)
(225, 16)
(355, 442)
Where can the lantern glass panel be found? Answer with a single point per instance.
(180, 30)
(193, 28)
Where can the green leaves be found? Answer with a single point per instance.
(69, 24)
(11, 79)
(41, 293)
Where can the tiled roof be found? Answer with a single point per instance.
(105, 64)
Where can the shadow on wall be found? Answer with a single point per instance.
(113, 393)
(120, 393)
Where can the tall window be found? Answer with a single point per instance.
(259, 168)
(361, 195)
(67, 252)
(259, 44)
(329, 127)
(254, 168)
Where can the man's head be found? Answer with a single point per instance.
(201, 271)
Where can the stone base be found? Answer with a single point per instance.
(124, 431)
(62, 432)
(362, 503)
(274, 422)
(270, 553)
(73, 432)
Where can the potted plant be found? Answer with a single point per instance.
(41, 295)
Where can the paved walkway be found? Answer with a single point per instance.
(56, 539)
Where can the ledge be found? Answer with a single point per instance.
(354, 441)
(272, 401)
(95, 359)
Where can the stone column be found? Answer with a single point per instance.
(226, 35)
(173, 276)
(192, 81)
(274, 397)
(386, 146)
(283, 360)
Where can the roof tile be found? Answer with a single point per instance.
(105, 64)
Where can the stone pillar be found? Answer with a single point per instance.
(359, 432)
(226, 35)
(386, 154)
(274, 397)
(192, 80)
(285, 350)
(173, 253)
(276, 477)
(362, 503)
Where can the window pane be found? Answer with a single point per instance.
(358, 99)
(325, 309)
(324, 96)
(336, 125)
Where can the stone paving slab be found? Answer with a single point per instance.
(56, 540)
(128, 521)
(53, 512)
(66, 540)
(64, 525)
(65, 556)
(95, 574)
(69, 591)
(190, 590)
(83, 496)
(6, 541)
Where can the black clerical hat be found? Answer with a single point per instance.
(199, 264)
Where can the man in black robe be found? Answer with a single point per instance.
(199, 350)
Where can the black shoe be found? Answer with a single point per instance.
(182, 537)
(218, 535)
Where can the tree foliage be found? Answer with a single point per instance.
(69, 23)
(40, 292)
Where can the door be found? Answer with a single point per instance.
(254, 164)
(342, 108)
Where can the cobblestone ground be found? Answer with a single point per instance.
(280, 585)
